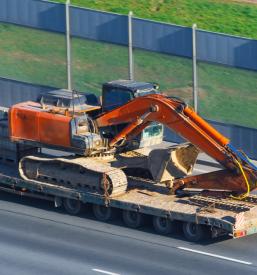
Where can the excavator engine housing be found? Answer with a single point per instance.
(30, 123)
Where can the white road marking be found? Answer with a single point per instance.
(214, 255)
(105, 272)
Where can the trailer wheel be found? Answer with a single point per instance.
(72, 206)
(163, 226)
(194, 232)
(133, 219)
(103, 213)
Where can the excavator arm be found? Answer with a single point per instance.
(240, 174)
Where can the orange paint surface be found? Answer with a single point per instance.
(185, 122)
(28, 121)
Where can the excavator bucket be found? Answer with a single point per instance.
(173, 162)
(164, 164)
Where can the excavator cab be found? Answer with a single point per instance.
(119, 92)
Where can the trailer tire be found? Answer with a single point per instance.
(133, 219)
(72, 206)
(194, 232)
(104, 213)
(163, 226)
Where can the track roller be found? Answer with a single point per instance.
(133, 219)
(104, 213)
(163, 225)
(72, 206)
(195, 232)
(84, 174)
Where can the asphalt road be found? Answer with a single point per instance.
(35, 238)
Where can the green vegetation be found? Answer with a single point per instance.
(215, 15)
(226, 94)
(32, 56)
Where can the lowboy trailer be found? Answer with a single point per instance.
(201, 215)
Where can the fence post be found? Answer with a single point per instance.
(130, 47)
(68, 45)
(194, 57)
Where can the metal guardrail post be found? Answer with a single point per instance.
(68, 45)
(130, 47)
(194, 59)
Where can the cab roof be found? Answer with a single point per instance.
(129, 85)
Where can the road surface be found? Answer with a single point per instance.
(35, 238)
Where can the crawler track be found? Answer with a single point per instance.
(86, 174)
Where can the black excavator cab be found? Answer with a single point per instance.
(119, 92)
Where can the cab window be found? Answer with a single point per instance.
(116, 97)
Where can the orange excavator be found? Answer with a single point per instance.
(101, 132)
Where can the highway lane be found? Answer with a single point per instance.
(35, 238)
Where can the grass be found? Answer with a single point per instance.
(32, 56)
(224, 16)
(226, 94)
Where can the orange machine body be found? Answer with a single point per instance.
(29, 122)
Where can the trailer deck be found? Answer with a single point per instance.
(222, 215)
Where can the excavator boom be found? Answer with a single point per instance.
(177, 116)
